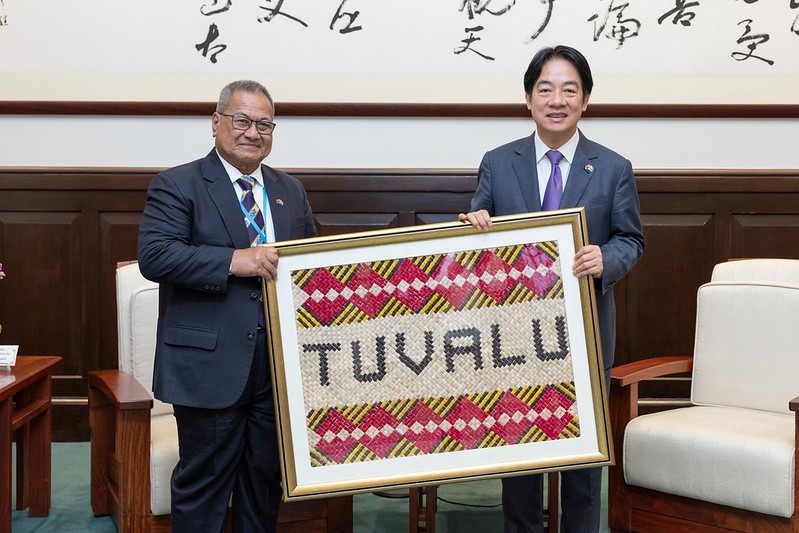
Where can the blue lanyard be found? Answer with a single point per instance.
(261, 235)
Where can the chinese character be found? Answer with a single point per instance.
(621, 29)
(795, 26)
(272, 12)
(476, 7)
(215, 7)
(205, 46)
(352, 16)
(680, 14)
(754, 41)
(468, 43)
(543, 26)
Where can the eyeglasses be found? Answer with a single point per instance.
(242, 123)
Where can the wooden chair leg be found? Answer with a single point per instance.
(551, 510)
(422, 506)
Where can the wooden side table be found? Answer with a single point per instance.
(25, 398)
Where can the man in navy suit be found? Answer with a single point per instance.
(211, 360)
(513, 179)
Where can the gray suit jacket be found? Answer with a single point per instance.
(600, 180)
(207, 320)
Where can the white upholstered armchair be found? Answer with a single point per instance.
(134, 437)
(727, 462)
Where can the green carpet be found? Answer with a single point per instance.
(70, 507)
(472, 507)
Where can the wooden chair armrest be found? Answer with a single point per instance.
(121, 389)
(119, 420)
(631, 373)
(624, 380)
(793, 405)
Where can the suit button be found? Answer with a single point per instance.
(254, 296)
(251, 335)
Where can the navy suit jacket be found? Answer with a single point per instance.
(600, 180)
(207, 319)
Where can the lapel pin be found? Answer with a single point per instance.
(279, 201)
(589, 168)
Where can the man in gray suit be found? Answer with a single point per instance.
(198, 239)
(557, 167)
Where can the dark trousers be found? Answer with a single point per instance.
(580, 498)
(226, 452)
(580, 501)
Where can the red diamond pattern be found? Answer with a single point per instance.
(540, 283)
(497, 287)
(467, 423)
(424, 427)
(318, 303)
(454, 277)
(404, 278)
(508, 408)
(456, 292)
(547, 406)
(364, 280)
(380, 431)
(335, 424)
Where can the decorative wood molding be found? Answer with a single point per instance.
(355, 109)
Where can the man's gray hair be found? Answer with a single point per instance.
(247, 86)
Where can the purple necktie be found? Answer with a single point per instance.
(554, 190)
(248, 201)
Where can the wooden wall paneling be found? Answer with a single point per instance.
(338, 223)
(435, 218)
(42, 307)
(762, 235)
(657, 299)
(76, 287)
(660, 292)
(62, 231)
(383, 201)
(359, 200)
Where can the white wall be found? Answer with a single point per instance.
(104, 141)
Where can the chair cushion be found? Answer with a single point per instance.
(163, 458)
(742, 458)
(745, 348)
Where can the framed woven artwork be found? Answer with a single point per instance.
(435, 354)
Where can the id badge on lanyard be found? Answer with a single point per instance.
(261, 235)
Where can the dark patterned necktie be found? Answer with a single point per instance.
(248, 201)
(554, 190)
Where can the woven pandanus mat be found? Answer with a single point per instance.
(435, 354)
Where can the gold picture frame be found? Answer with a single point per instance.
(435, 354)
